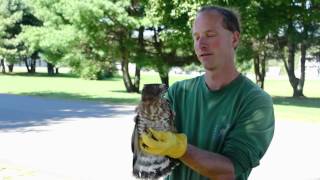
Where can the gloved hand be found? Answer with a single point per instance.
(164, 143)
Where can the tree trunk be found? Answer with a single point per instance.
(292, 77)
(3, 67)
(125, 64)
(162, 69)
(294, 81)
(165, 79)
(10, 67)
(33, 65)
(126, 76)
(34, 58)
(289, 65)
(140, 51)
(57, 70)
(164, 75)
(137, 79)
(299, 92)
(50, 68)
(27, 65)
(260, 70)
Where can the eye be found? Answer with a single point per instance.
(211, 34)
(196, 36)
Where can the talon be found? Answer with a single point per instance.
(145, 146)
(154, 138)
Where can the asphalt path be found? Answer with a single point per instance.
(44, 138)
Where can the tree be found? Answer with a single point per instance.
(171, 41)
(87, 35)
(52, 37)
(172, 22)
(14, 14)
(10, 15)
(298, 28)
(90, 36)
(257, 24)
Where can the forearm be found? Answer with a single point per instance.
(211, 165)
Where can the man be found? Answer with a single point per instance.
(225, 121)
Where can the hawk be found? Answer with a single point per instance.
(154, 112)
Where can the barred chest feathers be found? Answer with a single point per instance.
(152, 112)
(156, 115)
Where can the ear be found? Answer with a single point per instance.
(235, 39)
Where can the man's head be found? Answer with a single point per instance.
(216, 34)
(230, 19)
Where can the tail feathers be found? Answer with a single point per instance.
(153, 167)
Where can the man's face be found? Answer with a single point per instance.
(213, 44)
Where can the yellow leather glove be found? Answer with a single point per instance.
(164, 143)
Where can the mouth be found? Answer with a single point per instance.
(205, 54)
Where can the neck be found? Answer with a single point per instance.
(216, 80)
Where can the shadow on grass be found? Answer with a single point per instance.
(75, 96)
(20, 112)
(63, 75)
(303, 102)
(278, 100)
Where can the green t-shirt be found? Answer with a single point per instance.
(236, 121)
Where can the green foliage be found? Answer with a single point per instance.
(95, 70)
(244, 55)
(91, 36)
(91, 71)
(14, 14)
(76, 32)
(174, 18)
(10, 17)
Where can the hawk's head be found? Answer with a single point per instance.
(153, 91)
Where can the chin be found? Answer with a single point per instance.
(209, 68)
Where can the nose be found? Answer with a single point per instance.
(201, 44)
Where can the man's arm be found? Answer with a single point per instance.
(209, 164)
(175, 145)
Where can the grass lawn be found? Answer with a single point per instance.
(70, 87)
(305, 109)
(113, 91)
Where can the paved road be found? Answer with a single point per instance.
(48, 139)
(294, 153)
(66, 139)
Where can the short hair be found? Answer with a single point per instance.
(230, 17)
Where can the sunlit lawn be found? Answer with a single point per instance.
(113, 91)
(70, 87)
(288, 108)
